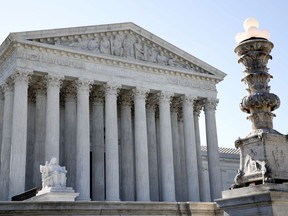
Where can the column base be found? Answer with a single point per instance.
(266, 199)
(55, 194)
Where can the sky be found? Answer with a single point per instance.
(204, 28)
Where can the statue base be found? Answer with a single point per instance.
(263, 159)
(266, 199)
(55, 194)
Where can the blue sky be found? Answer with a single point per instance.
(203, 28)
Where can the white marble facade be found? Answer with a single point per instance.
(116, 104)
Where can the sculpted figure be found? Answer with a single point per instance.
(93, 45)
(152, 55)
(161, 59)
(173, 62)
(128, 49)
(117, 48)
(105, 46)
(53, 175)
(139, 51)
(79, 44)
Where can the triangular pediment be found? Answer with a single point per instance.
(124, 40)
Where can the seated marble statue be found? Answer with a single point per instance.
(53, 175)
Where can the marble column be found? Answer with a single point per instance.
(111, 142)
(127, 147)
(40, 124)
(176, 149)
(1, 118)
(97, 142)
(141, 145)
(19, 133)
(190, 149)
(83, 141)
(70, 122)
(53, 116)
(182, 155)
(30, 139)
(212, 149)
(166, 148)
(198, 106)
(152, 147)
(8, 88)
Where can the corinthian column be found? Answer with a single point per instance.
(40, 124)
(97, 141)
(70, 122)
(127, 148)
(52, 117)
(176, 149)
(212, 149)
(198, 106)
(111, 142)
(141, 146)
(166, 148)
(190, 149)
(8, 88)
(83, 141)
(152, 148)
(19, 133)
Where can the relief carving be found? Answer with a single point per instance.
(125, 44)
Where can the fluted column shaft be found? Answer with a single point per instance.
(197, 109)
(52, 117)
(83, 141)
(19, 133)
(212, 149)
(127, 149)
(152, 148)
(166, 148)
(6, 140)
(190, 149)
(1, 118)
(141, 146)
(111, 143)
(40, 124)
(97, 139)
(176, 149)
(70, 122)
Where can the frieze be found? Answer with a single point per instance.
(181, 81)
(50, 60)
(124, 44)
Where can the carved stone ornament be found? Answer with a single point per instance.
(54, 80)
(140, 93)
(125, 44)
(259, 103)
(112, 88)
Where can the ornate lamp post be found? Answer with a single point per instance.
(261, 183)
(263, 150)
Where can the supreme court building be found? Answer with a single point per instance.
(118, 106)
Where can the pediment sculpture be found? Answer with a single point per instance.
(125, 44)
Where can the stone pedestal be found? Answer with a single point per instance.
(263, 158)
(265, 199)
(55, 194)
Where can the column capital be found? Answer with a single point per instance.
(69, 91)
(198, 107)
(152, 102)
(210, 104)
(40, 86)
(188, 99)
(112, 88)
(140, 92)
(8, 86)
(175, 104)
(126, 98)
(54, 80)
(165, 96)
(97, 94)
(83, 85)
(21, 75)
